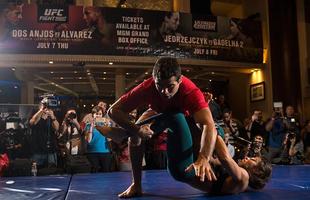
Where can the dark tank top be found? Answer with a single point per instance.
(221, 176)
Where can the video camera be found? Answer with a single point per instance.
(49, 101)
(13, 122)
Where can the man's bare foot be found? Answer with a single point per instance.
(132, 191)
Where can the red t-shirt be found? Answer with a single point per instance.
(188, 100)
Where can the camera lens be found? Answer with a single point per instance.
(72, 115)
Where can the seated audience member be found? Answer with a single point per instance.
(231, 148)
(295, 148)
(257, 147)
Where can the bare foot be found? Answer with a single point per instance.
(132, 191)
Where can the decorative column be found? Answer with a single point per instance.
(120, 83)
(284, 52)
(27, 92)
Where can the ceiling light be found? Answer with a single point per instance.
(51, 62)
(75, 72)
(15, 87)
(212, 73)
(84, 106)
(80, 77)
(110, 63)
(92, 105)
(88, 73)
(52, 72)
(146, 73)
(104, 78)
(61, 78)
(13, 68)
(210, 80)
(127, 73)
(104, 72)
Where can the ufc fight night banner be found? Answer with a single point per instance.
(127, 32)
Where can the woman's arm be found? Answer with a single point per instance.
(238, 180)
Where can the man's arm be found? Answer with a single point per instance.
(208, 138)
(36, 118)
(118, 115)
(55, 123)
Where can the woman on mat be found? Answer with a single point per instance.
(232, 177)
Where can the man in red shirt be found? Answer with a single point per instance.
(174, 95)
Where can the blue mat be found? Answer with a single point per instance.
(288, 182)
(43, 187)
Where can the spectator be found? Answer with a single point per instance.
(295, 148)
(44, 127)
(223, 104)
(257, 147)
(98, 152)
(276, 133)
(231, 148)
(291, 122)
(70, 134)
(305, 134)
(230, 125)
(256, 125)
(214, 107)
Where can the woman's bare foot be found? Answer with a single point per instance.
(132, 191)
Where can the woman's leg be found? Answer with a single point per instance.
(179, 145)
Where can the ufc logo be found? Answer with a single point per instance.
(53, 12)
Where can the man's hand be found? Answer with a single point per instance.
(202, 168)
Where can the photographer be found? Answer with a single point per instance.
(72, 144)
(98, 152)
(70, 134)
(294, 148)
(276, 131)
(290, 120)
(256, 125)
(44, 126)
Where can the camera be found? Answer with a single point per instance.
(291, 135)
(49, 102)
(72, 115)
